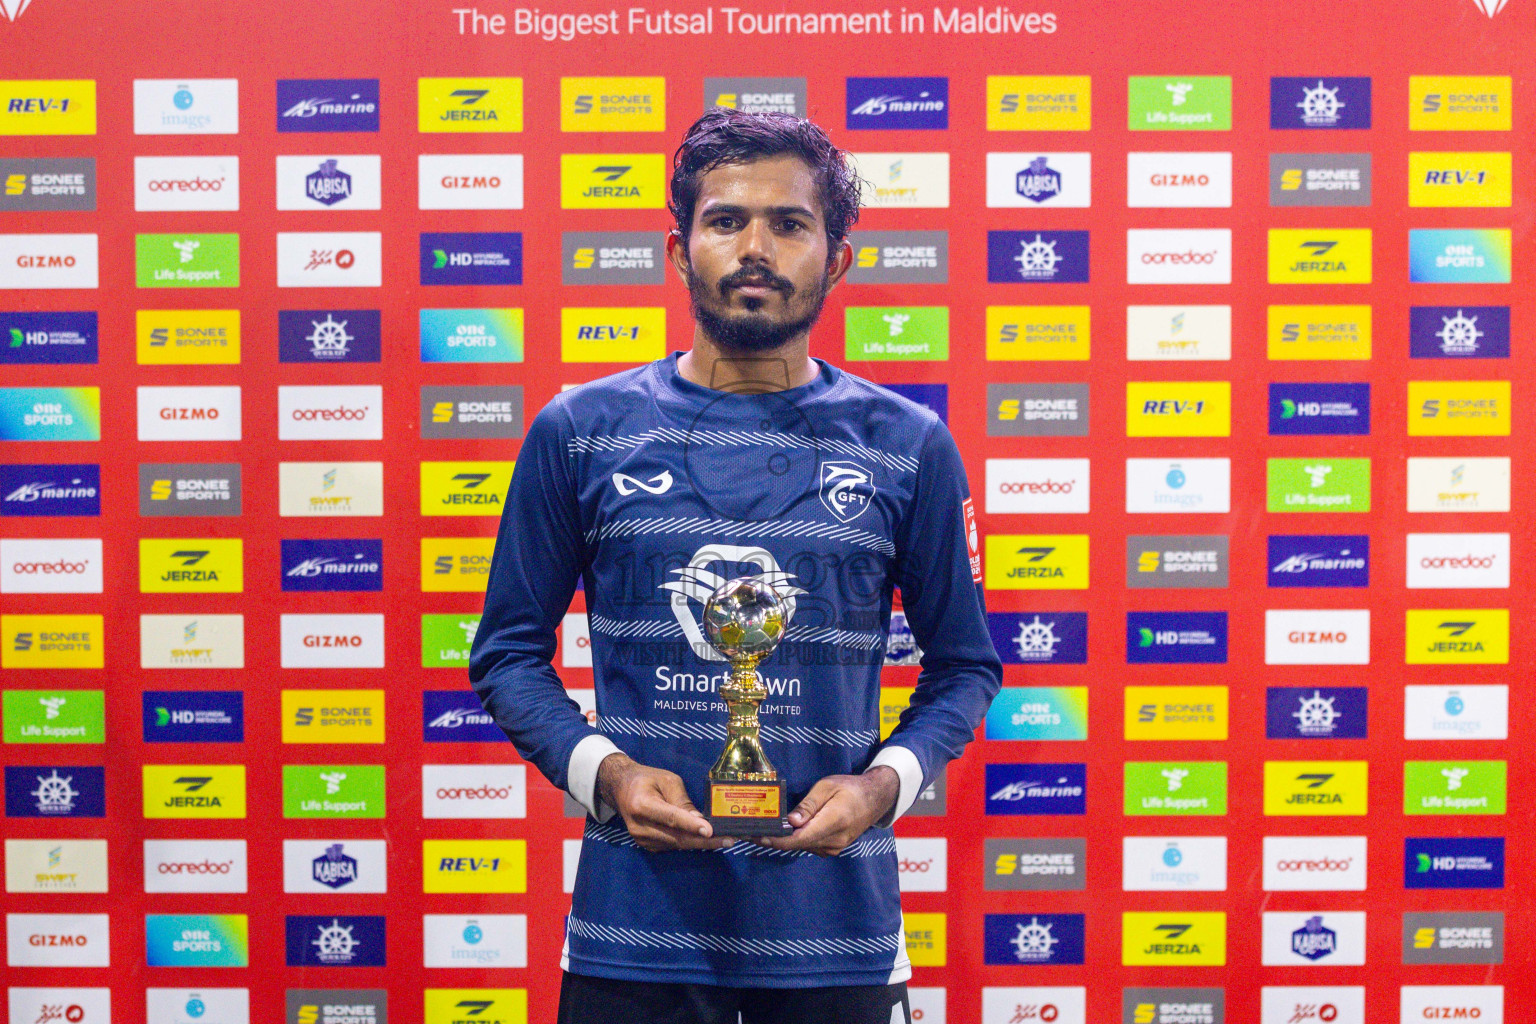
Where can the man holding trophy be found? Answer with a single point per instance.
(739, 515)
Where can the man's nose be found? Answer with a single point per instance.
(755, 243)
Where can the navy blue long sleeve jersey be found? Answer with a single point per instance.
(653, 490)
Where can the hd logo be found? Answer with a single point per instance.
(476, 1006)
(612, 181)
(455, 564)
(1319, 256)
(1167, 939)
(612, 334)
(464, 488)
(1307, 788)
(196, 565)
(469, 104)
(1037, 562)
(194, 790)
(1457, 636)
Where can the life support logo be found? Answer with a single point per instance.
(847, 489)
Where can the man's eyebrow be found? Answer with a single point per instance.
(739, 210)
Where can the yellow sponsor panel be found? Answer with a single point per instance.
(1057, 561)
(194, 790)
(51, 641)
(1319, 255)
(612, 181)
(464, 488)
(1457, 636)
(1176, 712)
(616, 104)
(927, 939)
(612, 334)
(1459, 103)
(1037, 333)
(191, 565)
(1308, 788)
(893, 701)
(1460, 179)
(456, 564)
(1319, 332)
(186, 337)
(469, 104)
(466, 1005)
(333, 716)
(474, 865)
(1458, 408)
(1160, 408)
(1039, 103)
(48, 106)
(1175, 938)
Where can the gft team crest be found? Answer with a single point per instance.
(847, 489)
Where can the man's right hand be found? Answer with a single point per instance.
(655, 806)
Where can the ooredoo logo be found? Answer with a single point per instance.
(922, 865)
(186, 183)
(1202, 256)
(202, 867)
(330, 413)
(1314, 863)
(473, 791)
(1458, 560)
(1037, 485)
(51, 566)
(213, 865)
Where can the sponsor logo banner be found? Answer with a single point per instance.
(613, 104)
(1325, 102)
(1176, 638)
(1306, 788)
(56, 489)
(469, 181)
(474, 791)
(1319, 255)
(1459, 255)
(1177, 562)
(1459, 103)
(1176, 712)
(1319, 179)
(51, 641)
(1453, 863)
(896, 332)
(474, 865)
(332, 641)
(328, 105)
(456, 716)
(1180, 103)
(55, 716)
(933, 397)
(50, 566)
(1034, 939)
(1036, 333)
(1037, 561)
(330, 488)
(1178, 333)
(329, 259)
(1296, 1004)
(49, 338)
(1037, 485)
(1174, 864)
(29, 1005)
(491, 1005)
(485, 940)
(1037, 257)
(1181, 256)
(1313, 939)
(922, 865)
(1030, 180)
(455, 564)
(1175, 787)
(926, 938)
(471, 257)
(175, 337)
(186, 106)
(55, 865)
(325, 182)
(189, 489)
(1040, 638)
(1484, 1003)
(330, 413)
(616, 257)
(1319, 332)
(899, 257)
(1457, 938)
(201, 865)
(189, 413)
(191, 641)
(1178, 409)
(1036, 788)
(1037, 410)
(1456, 712)
(198, 183)
(1459, 408)
(897, 103)
(1458, 332)
(576, 644)
(1001, 1005)
(1315, 713)
(1314, 863)
(206, 565)
(1319, 409)
(1178, 485)
(1173, 938)
(904, 180)
(1038, 713)
(1319, 485)
(334, 865)
(333, 716)
(1021, 103)
(48, 184)
(1297, 636)
(48, 261)
(1457, 636)
(1173, 1006)
(194, 716)
(1454, 787)
(48, 106)
(187, 261)
(55, 791)
(756, 95)
(472, 411)
(194, 790)
(328, 335)
(1178, 180)
(333, 791)
(1460, 179)
(336, 1006)
(612, 334)
(57, 940)
(469, 105)
(613, 181)
(334, 941)
(1458, 560)
(314, 565)
(1035, 864)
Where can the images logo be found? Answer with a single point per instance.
(1453, 863)
(1459, 255)
(1037, 257)
(1033, 939)
(898, 103)
(62, 791)
(469, 105)
(472, 411)
(1182, 103)
(1178, 409)
(1319, 409)
(194, 790)
(186, 106)
(328, 105)
(1456, 712)
(1036, 789)
(613, 181)
(1040, 638)
(1176, 638)
(1320, 560)
(896, 332)
(1319, 103)
(1039, 103)
(333, 791)
(1319, 485)
(1038, 713)
(1315, 713)
(350, 565)
(1178, 485)
(1308, 788)
(1180, 787)
(1153, 939)
(334, 941)
(472, 257)
(1319, 256)
(328, 335)
(50, 414)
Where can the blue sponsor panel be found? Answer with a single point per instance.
(328, 335)
(455, 716)
(1319, 102)
(316, 565)
(328, 105)
(1037, 257)
(1046, 939)
(1315, 713)
(1320, 560)
(934, 397)
(55, 791)
(1040, 638)
(898, 103)
(335, 940)
(44, 489)
(1458, 332)
(1333, 410)
(1176, 638)
(1453, 862)
(48, 338)
(194, 716)
(1037, 788)
(471, 257)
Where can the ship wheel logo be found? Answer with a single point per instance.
(1034, 941)
(1459, 335)
(1037, 259)
(1316, 714)
(1320, 106)
(335, 942)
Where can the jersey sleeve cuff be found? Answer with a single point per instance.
(904, 763)
(581, 774)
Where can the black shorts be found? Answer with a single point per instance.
(586, 1000)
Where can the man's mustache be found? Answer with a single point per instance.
(758, 277)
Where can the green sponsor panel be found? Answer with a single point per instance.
(1454, 787)
(1175, 787)
(187, 261)
(333, 791)
(911, 333)
(445, 640)
(54, 716)
(1180, 103)
(1319, 485)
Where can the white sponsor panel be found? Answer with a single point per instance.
(474, 791)
(328, 181)
(57, 940)
(476, 940)
(1301, 938)
(904, 180)
(1458, 561)
(332, 641)
(575, 641)
(927, 1005)
(1456, 712)
(310, 413)
(1033, 180)
(82, 1005)
(195, 865)
(1178, 256)
(186, 183)
(330, 488)
(586, 700)
(335, 865)
(1314, 636)
(1320, 1004)
(1314, 863)
(1178, 333)
(1037, 485)
(330, 259)
(469, 181)
(1458, 485)
(1178, 485)
(192, 641)
(56, 865)
(1012, 1005)
(570, 857)
(197, 1005)
(1481, 1003)
(186, 106)
(922, 865)
(29, 262)
(1174, 864)
(51, 566)
(1178, 180)
(189, 414)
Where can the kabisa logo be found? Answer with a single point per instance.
(328, 184)
(328, 105)
(898, 103)
(756, 95)
(1319, 409)
(335, 941)
(194, 716)
(474, 257)
(456, 716)
(485, 940)
(50, 490)
(1038, 182)
(696, 582)
(1037, 257)
(1167, 638)
(1309, 938)
(1036, 788)
(328, 335)
(1314, 941)
(64, 791)
(1040, 638)
(847, 489)
(1034, 939)
(1029, 180)
(1475, 862)
(1458, 332)
(1319, 103)
(52, 338)
(1316, 713)
(334, 868)
(1320, 560)
(313, 565)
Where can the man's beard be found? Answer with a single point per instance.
(752, 331)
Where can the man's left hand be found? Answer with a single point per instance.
(838, 810)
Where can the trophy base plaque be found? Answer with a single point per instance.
(748, 809)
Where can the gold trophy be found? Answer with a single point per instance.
(744, 620)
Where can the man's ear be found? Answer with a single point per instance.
(677, 253)
(838, 263)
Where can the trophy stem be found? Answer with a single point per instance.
(743, 759)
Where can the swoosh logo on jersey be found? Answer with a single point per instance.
(659, 484)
